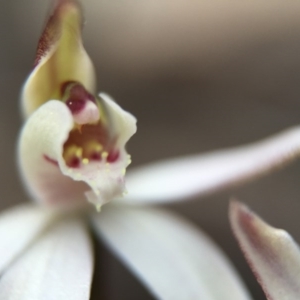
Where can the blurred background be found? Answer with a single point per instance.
(199, 75)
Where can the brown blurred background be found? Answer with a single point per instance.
(199, 75)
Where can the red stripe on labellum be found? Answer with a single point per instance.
(95, 156)
(50, 160)
(74, 162)
(113, 156)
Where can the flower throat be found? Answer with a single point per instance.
(90, 139)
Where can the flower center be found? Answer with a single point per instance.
(90, 139)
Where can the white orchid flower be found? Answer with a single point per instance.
(272, 254)
(71, 135)
(72, 147)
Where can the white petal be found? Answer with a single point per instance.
(173, 259)
(124, 123)
(19, 227)
(107, 181)
(41, 142)
(182, 178)
(272, 254)
(58, 267)
(60, 58)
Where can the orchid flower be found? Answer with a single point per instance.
(72, 151)
(272, 254)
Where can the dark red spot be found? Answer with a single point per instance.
(53, 28)
(74, 162)
(78, 96)
(113, 156)
(95, 156)
(50, 160)
(76, 105)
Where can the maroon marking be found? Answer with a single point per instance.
(113, 156)
(78, 96)
(53, 28)
(46, 40)
(76, 106)
(74, 162)
(79, 92)
(95, 156)
(50, 160)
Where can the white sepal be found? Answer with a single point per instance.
(59, 266)
(172, 258)
(196, 175)
(19, 227)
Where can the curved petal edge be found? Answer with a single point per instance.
(272, 254)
